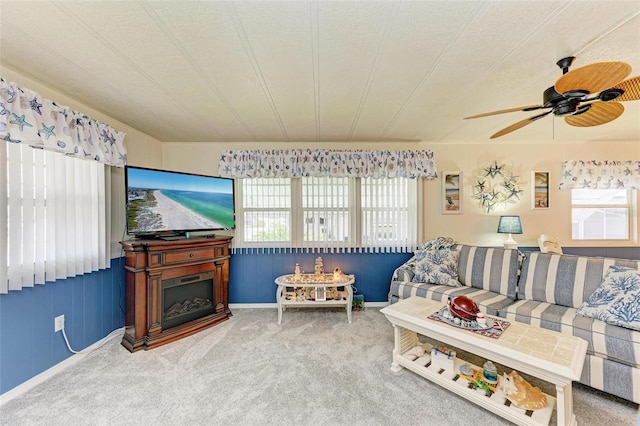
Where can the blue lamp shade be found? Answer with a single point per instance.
(509, 225)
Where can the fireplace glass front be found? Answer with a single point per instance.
(187, 298)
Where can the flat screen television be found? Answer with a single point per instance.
(166, 204)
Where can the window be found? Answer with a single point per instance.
(389, 212)
(600, 214)
(328, 212)
(56, 216)
(266, 210)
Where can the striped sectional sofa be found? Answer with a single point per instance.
(545, 290)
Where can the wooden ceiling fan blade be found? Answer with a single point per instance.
(594, 77)
(631, 89)
(599, 113)
(518, 125)
(502, 111)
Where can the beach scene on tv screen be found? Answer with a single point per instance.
(163, 201)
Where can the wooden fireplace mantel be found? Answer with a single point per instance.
(150, 262)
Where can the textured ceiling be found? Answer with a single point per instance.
(321, 71)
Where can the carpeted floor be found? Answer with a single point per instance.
(313, 369)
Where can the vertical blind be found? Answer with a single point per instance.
(266, 211)
(328, 214)
(390, 214)
(56, 216)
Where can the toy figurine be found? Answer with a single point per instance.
(337, 274)
(481, 320)
(297, 272)
(521, 393)
(477, 383)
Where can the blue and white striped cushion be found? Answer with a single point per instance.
(563, 279)
(406, 271)
(492, 269)
(488, 301)
(604, 340)
(613, 354)
(611, 377)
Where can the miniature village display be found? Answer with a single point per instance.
(320, 293)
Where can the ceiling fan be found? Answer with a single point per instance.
(586, 96)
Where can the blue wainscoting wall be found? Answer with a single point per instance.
(92, 304)
(252, 274)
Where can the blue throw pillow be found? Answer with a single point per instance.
(437, 267)
(617, 300)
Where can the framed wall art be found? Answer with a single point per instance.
(452, 192)
(539, 190)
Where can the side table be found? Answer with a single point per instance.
(306, 282)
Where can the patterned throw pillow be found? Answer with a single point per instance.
(437, 267)
(617, 300)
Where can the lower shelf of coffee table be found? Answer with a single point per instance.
(496, 402)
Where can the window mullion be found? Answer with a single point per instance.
(356, 214)
(297, 213)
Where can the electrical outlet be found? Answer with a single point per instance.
(58, 323)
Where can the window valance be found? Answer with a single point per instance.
(290, 163)
(600, 175)
(26, 117)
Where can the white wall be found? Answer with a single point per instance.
(478, 227)
(142, 149)
(473, 226)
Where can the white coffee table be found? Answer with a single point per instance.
(554, 357)
(305, 281)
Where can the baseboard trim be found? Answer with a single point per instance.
(275, 305)
(253, 305)
(63, 365)
(59, 367)
(375, 304)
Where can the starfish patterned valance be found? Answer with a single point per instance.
(290, 163)
(577, 174)
(26, 117)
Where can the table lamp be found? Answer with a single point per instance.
(510, 225)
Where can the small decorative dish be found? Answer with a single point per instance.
(445, 315)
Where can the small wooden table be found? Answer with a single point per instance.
(554, 357)
(323, 282)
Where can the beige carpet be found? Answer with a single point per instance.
(314, 369)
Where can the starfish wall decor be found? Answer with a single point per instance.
(496, 187)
